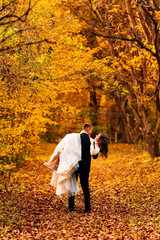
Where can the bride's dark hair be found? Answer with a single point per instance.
(103, 144)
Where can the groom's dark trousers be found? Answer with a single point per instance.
(83, 171)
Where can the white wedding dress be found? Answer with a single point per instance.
(68, 154)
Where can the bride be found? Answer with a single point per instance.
(65, 161)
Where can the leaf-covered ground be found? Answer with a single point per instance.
(125, 191)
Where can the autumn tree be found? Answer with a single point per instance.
(127, 34)
(42, 85)
(32, 97)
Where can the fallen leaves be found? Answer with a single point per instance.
(124, 195)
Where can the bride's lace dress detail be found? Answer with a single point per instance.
(64, 162)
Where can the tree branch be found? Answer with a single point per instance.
(5, 6)
(25, 44)
(126, 39)
(19, 31)
(11, 16)
(17, 18)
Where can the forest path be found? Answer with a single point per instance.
(125, 200)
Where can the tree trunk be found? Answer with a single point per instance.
(126, 129)
(121, 103)
(94, 111)
(151, 145)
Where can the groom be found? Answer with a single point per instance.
(84, 167)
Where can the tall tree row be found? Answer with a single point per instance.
(43, 91)
(33, 97)
(65, 62)
(128, 51)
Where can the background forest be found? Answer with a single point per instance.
(63, 63)
(68, 62)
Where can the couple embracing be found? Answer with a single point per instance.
(72, 157)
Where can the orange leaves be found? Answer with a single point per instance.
(124, 199)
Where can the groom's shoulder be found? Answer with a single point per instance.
(84, 136)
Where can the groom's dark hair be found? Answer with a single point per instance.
(87, 125)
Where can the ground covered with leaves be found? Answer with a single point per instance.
(125, 200)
